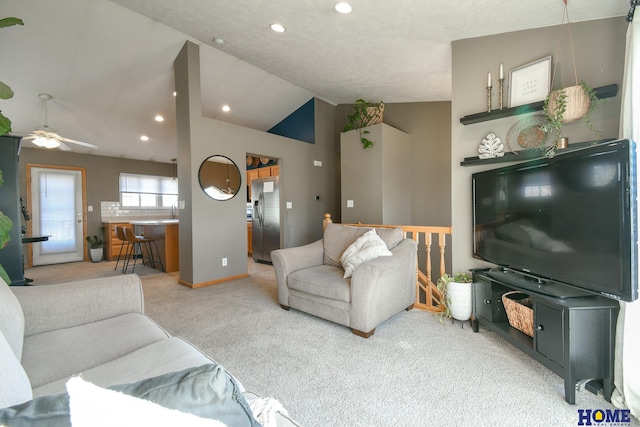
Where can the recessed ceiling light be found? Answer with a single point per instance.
(159, 118)
(218, 41)
(144, 138)
(226, 108)
(343, 7)
(278, 28)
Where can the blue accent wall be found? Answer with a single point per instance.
(298, 125)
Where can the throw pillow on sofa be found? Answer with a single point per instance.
(337, 238)
(207, 391)
(365, 248)
(93, 406)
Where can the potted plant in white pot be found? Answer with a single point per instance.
(456, 296)
(95, 247)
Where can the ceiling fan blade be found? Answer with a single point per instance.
(73, 141)
(25, 135)
(63, 146)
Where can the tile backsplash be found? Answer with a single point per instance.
(111, 211)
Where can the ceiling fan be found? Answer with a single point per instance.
(47, 137)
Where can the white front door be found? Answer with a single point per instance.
(57, 212)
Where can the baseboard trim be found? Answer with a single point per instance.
(212, 282)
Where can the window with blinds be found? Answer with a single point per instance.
(148, 191)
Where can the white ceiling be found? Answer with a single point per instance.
(109, 64)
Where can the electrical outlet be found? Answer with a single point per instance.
(89, 208)
(224, 262)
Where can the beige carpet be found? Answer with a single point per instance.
(414, 371)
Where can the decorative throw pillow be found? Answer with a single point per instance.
(92, 406)
(337, 238)
(207, 391)
(391, 236)
(365, 248)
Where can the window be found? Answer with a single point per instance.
(148, 191)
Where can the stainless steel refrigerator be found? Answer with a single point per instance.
(265, 200)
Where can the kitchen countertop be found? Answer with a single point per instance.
(161, 221)
(155, 222)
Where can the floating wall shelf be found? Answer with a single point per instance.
(602, 92)
(527, 155)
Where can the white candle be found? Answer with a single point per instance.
(501, 72)
(489, 80)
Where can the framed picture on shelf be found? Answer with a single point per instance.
(530, 82)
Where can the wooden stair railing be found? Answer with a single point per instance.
(428, 297)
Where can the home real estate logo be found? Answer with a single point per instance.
(604, 417)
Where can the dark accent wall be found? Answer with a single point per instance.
(298, 125)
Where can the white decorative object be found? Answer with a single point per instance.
(491, 146)
(459, 295)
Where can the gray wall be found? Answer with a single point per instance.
(211, 230)
(102, 175)
(599, 52)
(376, 179)
(429, 127)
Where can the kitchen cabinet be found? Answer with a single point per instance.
(166, 233)
(263, 172)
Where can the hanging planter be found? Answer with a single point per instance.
(571, 103)
(365, 113)
(568, 104)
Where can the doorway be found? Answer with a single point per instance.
(57, 198)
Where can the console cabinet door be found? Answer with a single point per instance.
(548, 331)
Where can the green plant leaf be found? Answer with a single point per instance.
(5, 228)
(8, 22)
(5, 124)
(5, 91)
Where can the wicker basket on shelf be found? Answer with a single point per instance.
(519, 311)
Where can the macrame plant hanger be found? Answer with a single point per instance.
(577, 101)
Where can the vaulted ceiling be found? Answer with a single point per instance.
(109, 64)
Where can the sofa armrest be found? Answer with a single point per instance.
(384, 286)
(289, 260)
(51, 307)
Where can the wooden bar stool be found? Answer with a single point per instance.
(138, 242)
(120, 235)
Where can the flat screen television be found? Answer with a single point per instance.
(568, 222)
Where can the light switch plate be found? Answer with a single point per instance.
(317, 163)
(349, 203)
(289, 205)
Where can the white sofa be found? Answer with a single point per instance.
(96, 328)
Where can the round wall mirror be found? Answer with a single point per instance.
(219, 177)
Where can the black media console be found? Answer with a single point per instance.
(574, 332)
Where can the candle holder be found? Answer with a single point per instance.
(488, 99)
(501, 94)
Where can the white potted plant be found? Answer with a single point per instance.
(95, 247)
(456, 296)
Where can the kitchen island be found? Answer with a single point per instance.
(165, 230)
(166, 233)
